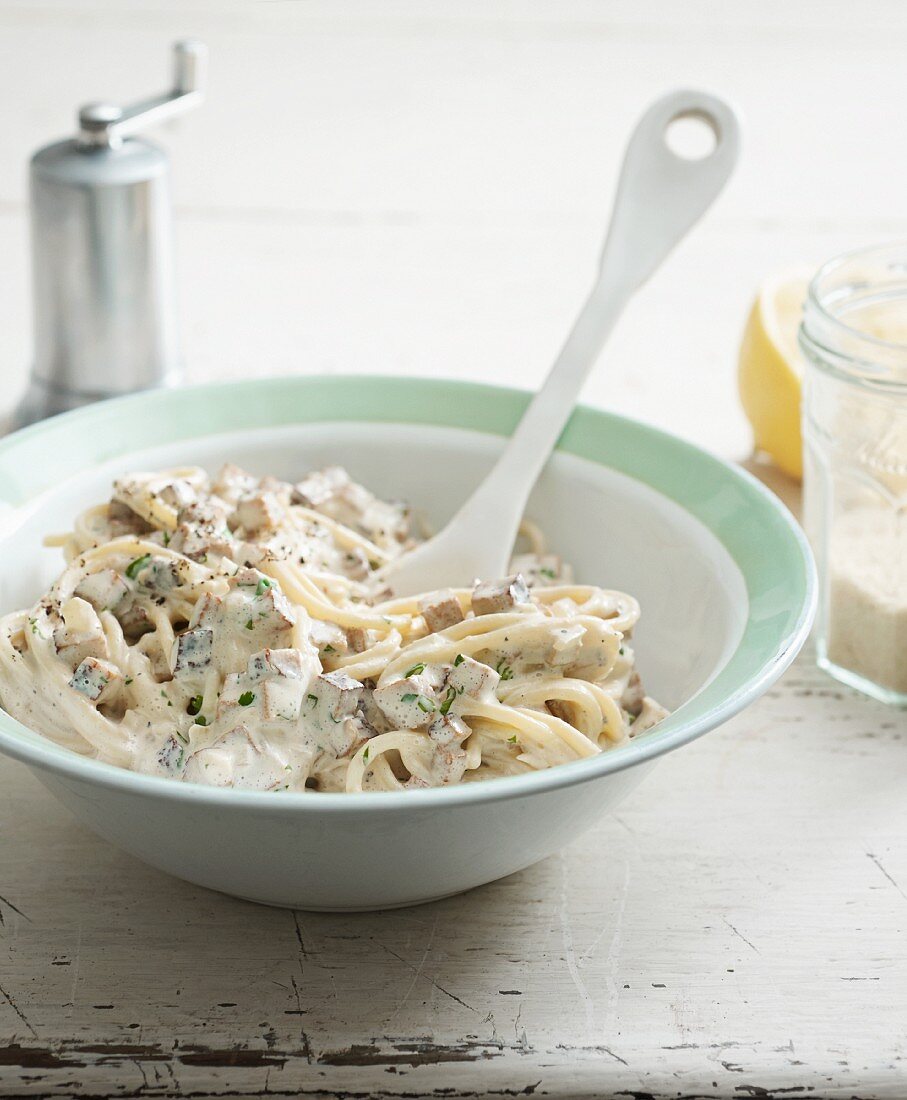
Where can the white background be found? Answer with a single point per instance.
(421, 187)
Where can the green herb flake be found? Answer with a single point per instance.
(201, 720)
(313, 699)
(458, 660)
(365, 754)
(166, 538)
(128, 681)
(247, 698)
(549, 573)
(33, 623)
(408, 697)
(621, 651)
(263, 585)
(448, 699)
(195, 705)
(179, 759)
(329, 649)
(414, 671)
(512, 740)
(182, 737)
(250, 625)
(425, 705)
(135, 567)
(503, 670)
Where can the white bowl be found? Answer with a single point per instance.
(722, 572)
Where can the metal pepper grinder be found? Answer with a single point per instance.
(104, 286)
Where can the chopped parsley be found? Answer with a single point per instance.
(621, 651)
(503, 670)
(549, 573)
(448, 699)
(135, 567)
(201, 720)
(247, 698)
(128, 681)
(195, 705)
(458, 660)
(425, 705)
(33, 623)
(365, 754)
(263, 584)
(313, 699)
(414, 671)
(512, 740)
(329, 649)
(249, 625)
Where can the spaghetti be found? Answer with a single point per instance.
(234, 631)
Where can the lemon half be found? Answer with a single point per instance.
(770, 369)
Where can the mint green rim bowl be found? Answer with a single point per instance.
(760, 535)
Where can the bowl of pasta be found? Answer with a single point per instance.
(201, 658)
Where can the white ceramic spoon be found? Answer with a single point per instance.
(660, 196)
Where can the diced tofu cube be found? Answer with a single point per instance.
(448, 729)
(178, 494)
(104, 590)
(192, 651)
(440, 610)
(162, 575)
(234, 760)
(566, 645)
(258, 511)
(319, 486)
(271, 615)
(272, 663)
(135, 622)
(407, 704)
(469, 677)
(232, 482)
(327, 637)
(80, 635)
(281, 698)
(97, 680)
(339, 693)
(492, 597)
(208, 611)
(358, 639)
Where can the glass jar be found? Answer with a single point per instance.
(854, 338)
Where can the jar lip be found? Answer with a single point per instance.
(814, 297)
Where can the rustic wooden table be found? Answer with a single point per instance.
(415, 188)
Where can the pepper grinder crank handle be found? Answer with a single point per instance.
(104, 285)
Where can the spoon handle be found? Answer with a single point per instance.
(660, 196)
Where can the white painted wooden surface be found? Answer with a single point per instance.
(420, 188)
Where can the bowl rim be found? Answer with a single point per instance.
(763, 539)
